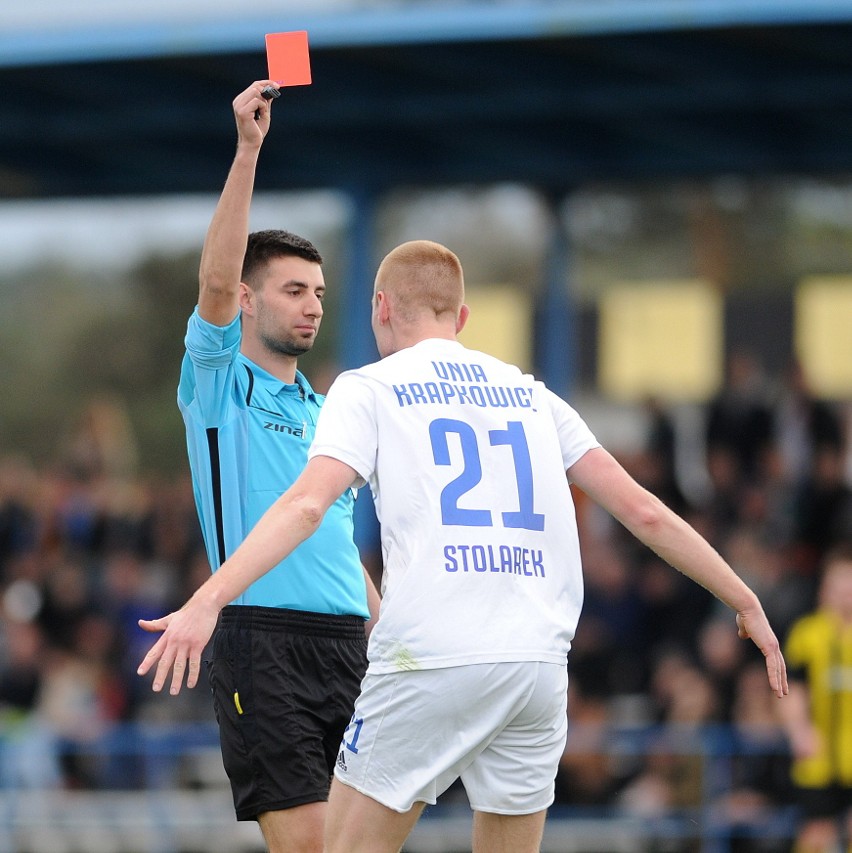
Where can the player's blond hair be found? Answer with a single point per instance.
(422, 278)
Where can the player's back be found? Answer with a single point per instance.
(478, 530)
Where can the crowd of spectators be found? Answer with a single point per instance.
(655, 650)
(90, 544)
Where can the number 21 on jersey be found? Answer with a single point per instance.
(512, 437)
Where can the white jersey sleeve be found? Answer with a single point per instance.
(347, 426)
(575, 437)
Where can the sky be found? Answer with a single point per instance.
(117, 232)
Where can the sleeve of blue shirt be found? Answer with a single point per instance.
(207, 380)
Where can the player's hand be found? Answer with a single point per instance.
(185, 634)
(805, 741)
(755, 626)
(253, 113)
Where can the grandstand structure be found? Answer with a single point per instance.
(104, 99)
(554, 93)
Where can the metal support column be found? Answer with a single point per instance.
(356, 344)
(557, 339)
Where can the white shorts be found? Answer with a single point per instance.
(500, 727)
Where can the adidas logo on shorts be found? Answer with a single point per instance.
(341, 761)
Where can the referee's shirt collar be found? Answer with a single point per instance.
(300, 388)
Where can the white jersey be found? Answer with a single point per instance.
(466, 459)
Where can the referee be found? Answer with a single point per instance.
(289, 653)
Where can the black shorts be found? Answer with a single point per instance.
(832, 801)
(284, 684)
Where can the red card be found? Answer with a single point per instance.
(287, 56)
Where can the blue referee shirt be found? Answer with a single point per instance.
(248, 436)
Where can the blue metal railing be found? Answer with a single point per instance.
(159, 778)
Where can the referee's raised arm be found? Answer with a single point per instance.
(220, 272)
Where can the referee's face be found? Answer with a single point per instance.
(288, 306)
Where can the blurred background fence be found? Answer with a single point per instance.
(160, 788)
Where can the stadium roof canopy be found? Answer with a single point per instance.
(556, 94)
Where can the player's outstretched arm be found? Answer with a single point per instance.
(605, 481)
(287, 523)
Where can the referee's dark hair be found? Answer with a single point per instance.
(264, 246)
